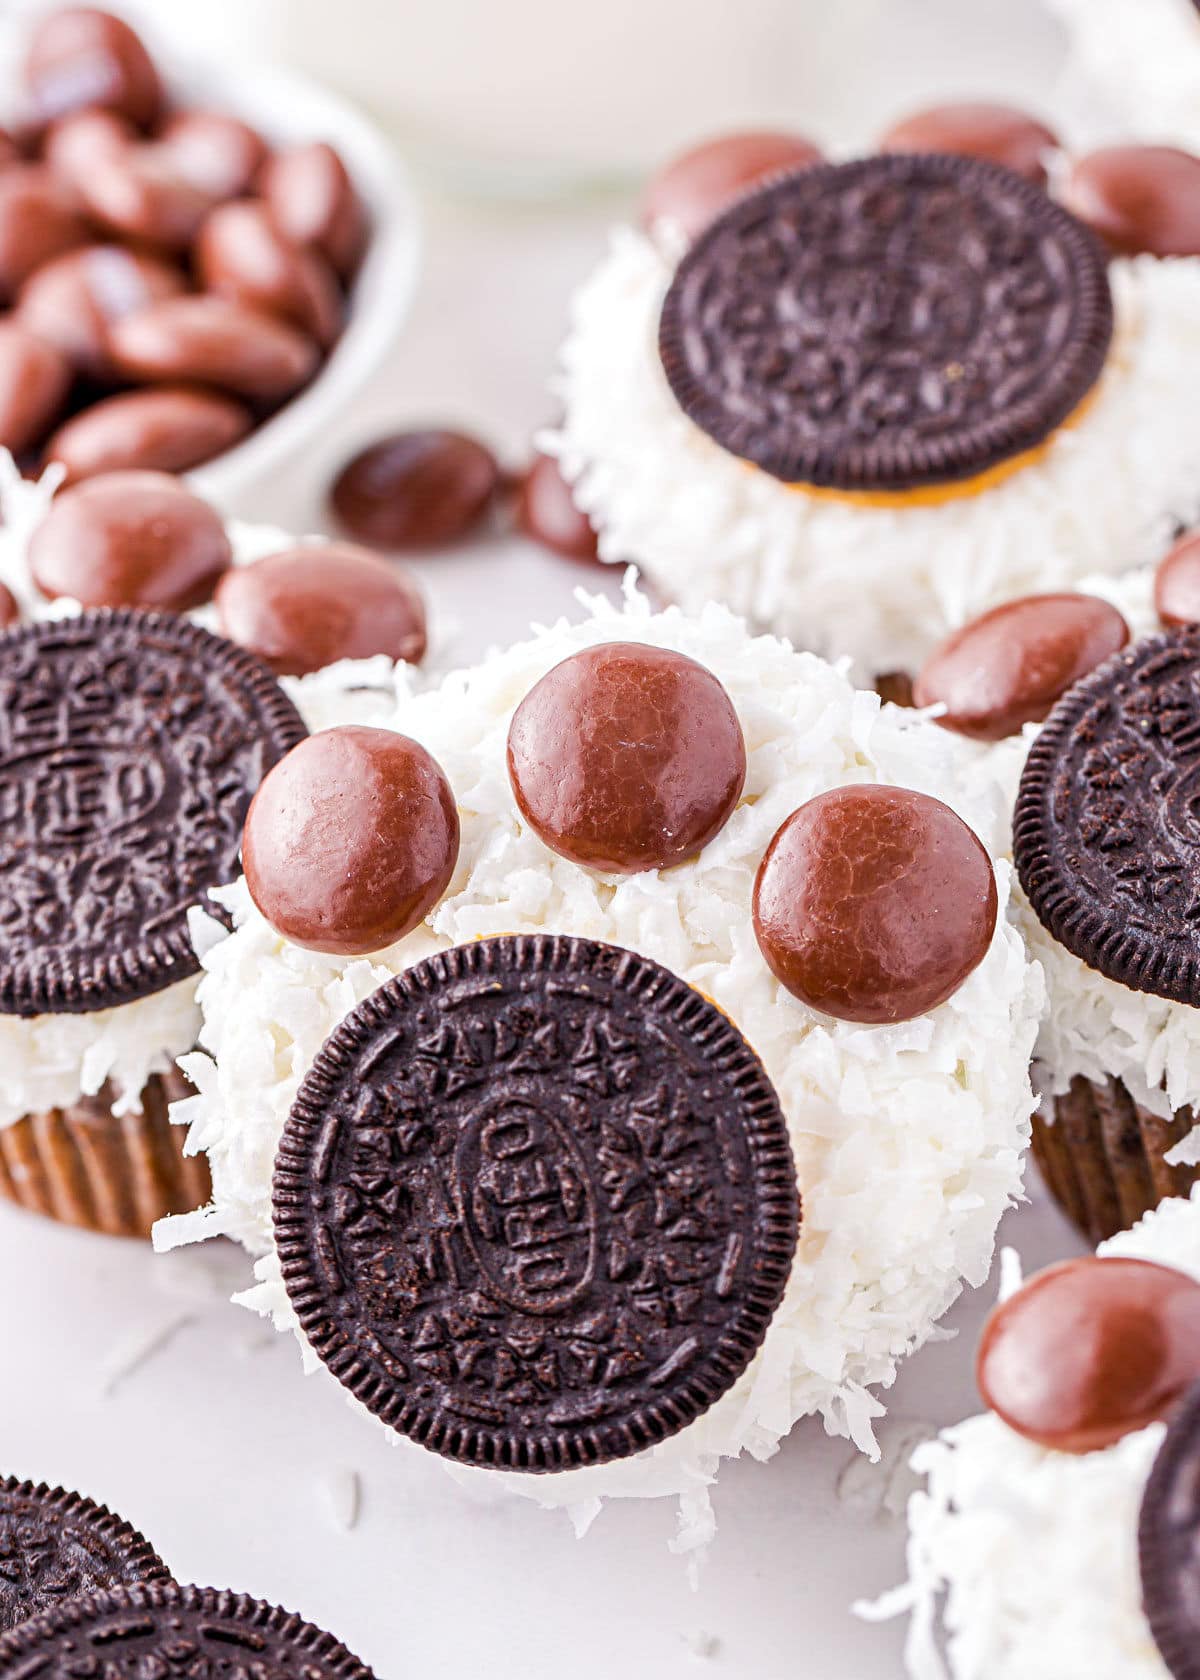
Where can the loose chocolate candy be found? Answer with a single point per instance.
(170, 429)
(38, 221)
(696, 186)
(1139, 198)
(214, 341)
(73, 146)
(58, 1546)
(547, 512)
(130, 746)
(130, 539)
(218, 153)
(1090, 1350)
(597, 1163)
(874, 903)
(351, 841)
(1106, 830)
(164, 1629)
(1000, 133)
(1177, 583)
(10, 152)
(908, 363)
(10, 612)
(627, 757)
(241, 254)
(312, 201)
(140, 194)
(416, 489)
(310, 606)
(81, 58)
(1008, 667)
(34, 379)
(72, 301)
(1169, 1543)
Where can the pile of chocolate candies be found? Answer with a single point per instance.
(167, 278)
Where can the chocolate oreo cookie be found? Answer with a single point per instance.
(166, 1631)
(535, 1203)
(55, 1546)
(1106, 831)
(131, 744)
(1169, 1543)
(882, 325)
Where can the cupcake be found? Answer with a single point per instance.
(580, 1121)
(1134, 70)
(872, 399)
(1056, 1538)
(1083, 702)
(131, 745)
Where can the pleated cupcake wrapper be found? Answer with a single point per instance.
(1103, 1156)
(86, 1166)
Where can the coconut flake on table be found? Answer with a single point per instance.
(880, 585)
(1030, 1554)
(908, 1139)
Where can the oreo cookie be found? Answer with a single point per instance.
(168, 1631)
(887, 324)
(131, 744)
(1169, 1543)
(55, 1546)
(535, 1203)
(1106, 830)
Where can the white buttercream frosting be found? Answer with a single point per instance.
(1028, 1557)
(1133, 71)
(881, 585)
(908, 1139)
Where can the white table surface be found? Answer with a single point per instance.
(132, 1378)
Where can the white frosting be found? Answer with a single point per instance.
(881, 585)
(1133, 70)
(1030, 1555)
(908, 1139)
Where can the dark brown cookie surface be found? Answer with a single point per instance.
(535, 1203)
(1169, 1544)
(167, 1631)
(131, 744)
(1106, 831)
(56, 1546)
(887, 324)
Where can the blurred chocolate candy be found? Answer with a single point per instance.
(141, 195)
(547, 511)
(313, 202)
(130, 539)
(72, 301)
(210, 340)
(416, 489)
(240, 253)
(38, 221)
(998, 133)
(10, 152)
(696, 186)
(10, 612)
(80, 57)
(1177, 583)
(170, 428)
(1138, 198)
(74, 145)
(216, 152)
(34, 380)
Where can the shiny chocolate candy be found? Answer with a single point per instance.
(215, 341)
(241, 254)
(1177, 583)
(82, 58)
(38, 221)
(1138, 198)
(418, 489)
(691, 190)
(72, 301)
(547, 512)
(10, 612)
(216, 152)
(313, 202)
(1000, 133)
(141, 195)
(169, 428)
(34, 380)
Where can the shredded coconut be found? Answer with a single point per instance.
(908, 1139)
(1030, 1555)
(880, 585)
(1133, 72)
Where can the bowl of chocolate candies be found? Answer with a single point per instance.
(199, 265)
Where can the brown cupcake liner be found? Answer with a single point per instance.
(86, 1166)
(1103, 1156)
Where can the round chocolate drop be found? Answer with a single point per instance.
(548, 513)
(627, 757)
(80, 57)
(1090, 1350)
(170, 429)
(313, 605)
(34, 380)
(999, 133)
(241, 254)
(130, 539)
(1008, 667)
(214, 341)
(1139, 198)
(218, 153)
(313, 202)
(38, 221)
(874, 903)
(416, 489)
(351, 841)
(696, 186)
(72, 301)
(10, 612)
(1177, 583)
